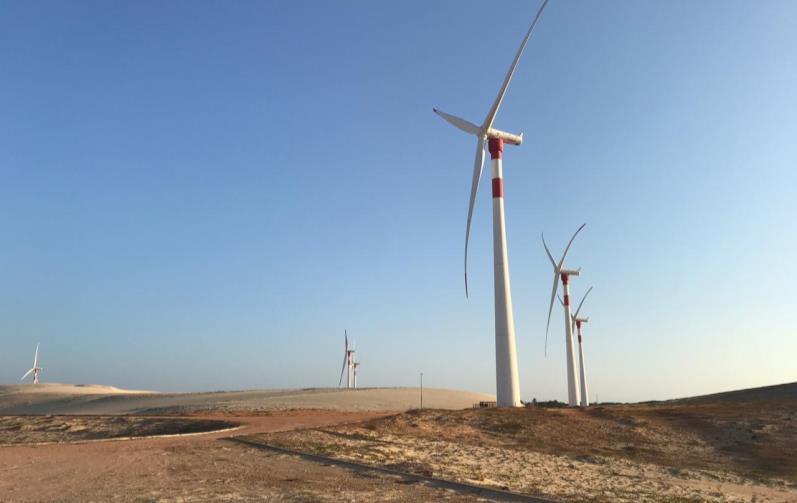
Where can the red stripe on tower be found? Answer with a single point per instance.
(567, 300)
(498, 187)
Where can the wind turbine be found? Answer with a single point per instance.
(348, 361)
(582, 371)
(508, 389)
(35, 369)
(559, 272)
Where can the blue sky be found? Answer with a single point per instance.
(197, 195)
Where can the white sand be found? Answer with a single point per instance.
(95, 399)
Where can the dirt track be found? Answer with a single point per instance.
(196, 468)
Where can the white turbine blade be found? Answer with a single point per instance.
(488, 121)
(26, 375)
(478, 166)
(581, 303)
(340, 381)
(550, 257)
(458, 123)
(568, 246)
(36, 356)
(550, 308)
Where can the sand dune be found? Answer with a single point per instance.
(66, 389)
(94, 399)
(774, 392)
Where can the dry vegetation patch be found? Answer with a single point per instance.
(650, 452)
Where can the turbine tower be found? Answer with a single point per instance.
(348, 361)
(577, 321)
(355, 366)
(506, 373)
(35, 369)
(560, 273)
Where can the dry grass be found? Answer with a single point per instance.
(676, 451)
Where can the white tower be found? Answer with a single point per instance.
(583, 372)
(506, 372)
(572, 387)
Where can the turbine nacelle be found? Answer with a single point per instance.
(570, 272)
(512, 139)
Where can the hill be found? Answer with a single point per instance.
(71, 399)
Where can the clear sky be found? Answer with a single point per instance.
(204, 195)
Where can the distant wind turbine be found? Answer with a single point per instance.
(348, 361)
(35, 369)
(582, 369)
(508, 389)
(582, 366)
(560, 273)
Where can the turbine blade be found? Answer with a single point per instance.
(581, 303)
(36, 356)
(568, 246)
(478, 166)
(458, 123)
(550, 308)
(550, 257)
(560, 300)
(26, 375)
(488, 121)
(340, 381)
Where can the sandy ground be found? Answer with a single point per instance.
(198, 468)
(737, 446)
(66, 399)
(673, 452)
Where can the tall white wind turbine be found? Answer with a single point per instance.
(560, 273)
(35, 369)
(508, 389)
